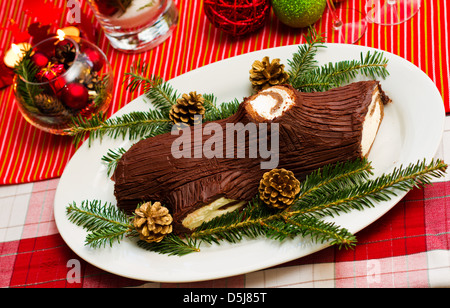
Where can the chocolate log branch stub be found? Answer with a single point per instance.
(311, 130)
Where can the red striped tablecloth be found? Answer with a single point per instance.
(28, 154)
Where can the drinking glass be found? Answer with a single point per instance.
(348, 25)
(391, 12)
(135, 25)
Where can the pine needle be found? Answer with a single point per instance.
(134, 125)
(172, 245)
(334, 75)
(304, 59)
(26, 70)
(106, 223)
(111, 159)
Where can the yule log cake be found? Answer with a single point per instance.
(312, 130)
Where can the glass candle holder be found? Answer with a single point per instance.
(135, 25)
(62, 78)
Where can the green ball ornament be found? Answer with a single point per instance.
(298, 13)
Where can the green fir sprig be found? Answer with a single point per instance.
(139, 125)
(104, 221)
(333, 75)
(306, 76)
(172, 245)
(304, 60)
(331, 190)
(215, 111)
(111, 159)
(26, 71)
(133, 125)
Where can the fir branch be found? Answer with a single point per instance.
(363, 195)
(137, 78)
(318, 231)
(233, 226)
(93, 215)
(333, 75)
(172, 245)
(313, 82)
(372, 66)
(160, 92)
(111, 159)
(134, 125)
(214, 112)
(108, 236)
(346, 189)
(26, 71)
(163, 96)
(304, 59)
(334, 177)
(106, 223)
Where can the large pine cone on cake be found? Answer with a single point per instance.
(186, 109)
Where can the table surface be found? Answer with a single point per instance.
(407, 247)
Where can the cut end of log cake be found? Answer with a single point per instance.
(271, 103)
(372, 120)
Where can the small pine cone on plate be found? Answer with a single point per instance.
(152, 221)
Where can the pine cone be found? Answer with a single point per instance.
(65, 54)
(152, 221)
(91, 80)
(265, 74)
(278, 188)
(186, 108)
(50, 105)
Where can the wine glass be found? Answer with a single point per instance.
(348, 25)
(391, 12)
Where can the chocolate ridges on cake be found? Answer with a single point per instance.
(313, 129)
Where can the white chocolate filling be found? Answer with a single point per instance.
(210, 211)
(371, 123)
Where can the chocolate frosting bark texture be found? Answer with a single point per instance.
(314, 129)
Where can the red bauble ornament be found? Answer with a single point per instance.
(75, 95)
(237, 17)
(96, 58)
(39, 59)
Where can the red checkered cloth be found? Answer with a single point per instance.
(407, 247)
